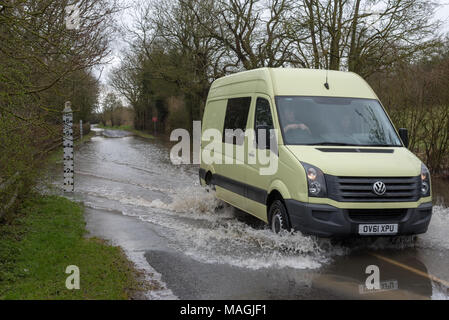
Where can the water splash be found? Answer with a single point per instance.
(209, 230)
(228, 240)
(437, 235)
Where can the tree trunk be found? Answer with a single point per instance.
(353, 59)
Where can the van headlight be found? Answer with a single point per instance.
(315, 181)
(425, 181)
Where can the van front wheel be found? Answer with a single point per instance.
(279, 218)
(209, 185)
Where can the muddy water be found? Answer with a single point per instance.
(440, 189)
(196, 247)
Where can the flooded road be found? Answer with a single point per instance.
(195, 247)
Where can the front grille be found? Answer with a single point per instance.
(360, 189)
(376, 215)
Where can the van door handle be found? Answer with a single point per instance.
(252, 154)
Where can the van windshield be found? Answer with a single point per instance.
(335, 121)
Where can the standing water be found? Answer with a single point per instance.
(158, 212)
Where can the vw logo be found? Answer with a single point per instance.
(379, 188)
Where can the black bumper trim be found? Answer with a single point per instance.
(328, 221)
(243, 189)
(240, 188)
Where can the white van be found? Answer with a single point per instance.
(341, 167)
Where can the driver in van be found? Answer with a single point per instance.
(292, 123)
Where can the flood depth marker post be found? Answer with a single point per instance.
(69, 185)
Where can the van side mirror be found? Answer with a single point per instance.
(403, 133)
(265, 129)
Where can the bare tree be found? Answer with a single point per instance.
(364, 36)
(253, 32)
(125, 79)
(38, 50)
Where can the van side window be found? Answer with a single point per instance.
(263, 119)
(236, 118)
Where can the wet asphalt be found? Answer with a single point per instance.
(195, 247)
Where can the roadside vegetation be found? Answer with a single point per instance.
(45, 62)
(46, 236)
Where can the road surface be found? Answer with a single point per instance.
(195, 247)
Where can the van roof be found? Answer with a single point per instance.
(292, 82)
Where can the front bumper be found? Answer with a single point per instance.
(328, 221)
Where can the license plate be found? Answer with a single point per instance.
(375, 229)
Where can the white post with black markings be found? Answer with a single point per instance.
(81, 129)
(69, 185)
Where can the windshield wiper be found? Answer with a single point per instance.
(382, 145)
(330, 144)
(350, 144)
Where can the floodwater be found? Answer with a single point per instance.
(441, 191)
(196, 247)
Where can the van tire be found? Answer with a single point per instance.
(278, 217)
(209, 184)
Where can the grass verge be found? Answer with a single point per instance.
(138, 133)
(44, 238)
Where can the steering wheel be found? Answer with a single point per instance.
(298, 133)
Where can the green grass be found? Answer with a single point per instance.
(138, 133)
(46, 236)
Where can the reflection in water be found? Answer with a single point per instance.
(401, 277)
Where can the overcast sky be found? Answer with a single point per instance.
(443, 14)
(125, 17)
